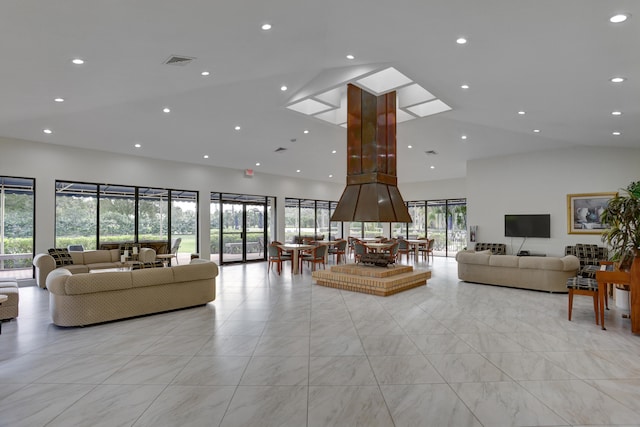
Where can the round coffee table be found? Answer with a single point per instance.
(3, 298)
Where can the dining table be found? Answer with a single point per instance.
(416, 243)
(295, 249)
(378, 246)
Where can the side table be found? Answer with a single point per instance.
(3, 298)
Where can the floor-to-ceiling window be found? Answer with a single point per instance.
(311, 218)
(17, 213)
(90, 214)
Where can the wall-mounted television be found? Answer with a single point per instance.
(527, 225)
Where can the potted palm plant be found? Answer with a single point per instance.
(622, 215)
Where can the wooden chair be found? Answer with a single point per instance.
(393, 253)
(583, 286)
(427, 250)
(403, 249)
(277, 256)
(318, 255)
(359, 249)
(339, 250)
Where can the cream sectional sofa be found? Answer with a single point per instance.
(84, 261)
(88, 298)
(548, 274)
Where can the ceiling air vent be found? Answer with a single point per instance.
(179, 60)
(431, 152)
(280, 149)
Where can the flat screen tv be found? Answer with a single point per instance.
(527, 225)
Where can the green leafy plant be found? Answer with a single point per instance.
(622, 214)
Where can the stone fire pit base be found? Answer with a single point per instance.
(379, 281)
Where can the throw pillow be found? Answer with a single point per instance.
(62, 257)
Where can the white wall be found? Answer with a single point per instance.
(528, 183)
(48, 163)
(538, 183)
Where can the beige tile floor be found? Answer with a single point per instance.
(280, 351)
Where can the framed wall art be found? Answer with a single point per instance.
(584, 210)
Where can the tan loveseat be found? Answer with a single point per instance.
(88, 298)
(84, 261)
(528, 272)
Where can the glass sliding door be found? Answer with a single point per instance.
(232, 232)
(437, 225)
(447, 225)
(184, 223)
(17, 202)
(255, 228)
(215, 226)
(457, 226)
(243, 228)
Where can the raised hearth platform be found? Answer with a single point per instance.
(381, 281)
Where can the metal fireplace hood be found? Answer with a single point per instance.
(372, 193)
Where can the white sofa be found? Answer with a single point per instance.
(87, 298)
(83, 261)
(548, 274)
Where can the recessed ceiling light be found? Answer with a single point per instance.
(464, 87)
(330, 176)
(205, 73)
(536, 130)
(77, 61)
(306, 131)
(58, 99)
(616, 113)
(206, 156)
(237, 128)
(137, 145)
(47, 131)
(432, 167)
(334, 151)
(166, 110)
(257, 163)
(409, 146)
(522, 113)
(266, 27)
(298, 170)
(463, 137)
(283, 88)
(616, 133)
(621, 17)
(351, 56)
(461, 40)
(617, 79)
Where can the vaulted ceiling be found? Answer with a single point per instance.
(551, 60)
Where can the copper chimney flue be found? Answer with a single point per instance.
(372, 185)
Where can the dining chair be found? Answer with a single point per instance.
(359, 249)
(318, 255)
(277, 256)
(583, 286)
(339, 250)
(393, 253)
(427, 249)
(173, 252)
(403, 249)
